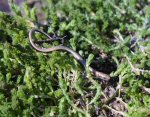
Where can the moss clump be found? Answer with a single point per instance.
(116, 33)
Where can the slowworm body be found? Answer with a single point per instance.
(101, 75)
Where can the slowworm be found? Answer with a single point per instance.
(98, 74)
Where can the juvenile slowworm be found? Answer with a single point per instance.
(98, 74)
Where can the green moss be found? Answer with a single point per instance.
(35, 84)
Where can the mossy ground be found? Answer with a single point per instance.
(115, 32)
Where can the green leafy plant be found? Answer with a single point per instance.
(112, 35)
